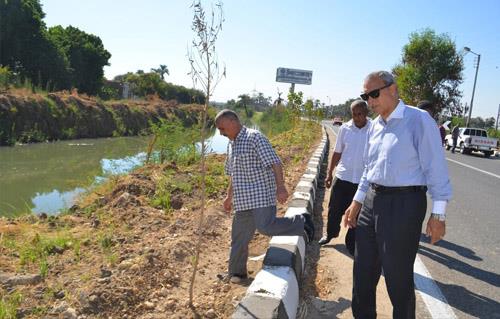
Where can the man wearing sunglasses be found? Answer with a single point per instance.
(402, 159)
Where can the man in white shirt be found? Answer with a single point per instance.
(347, 158)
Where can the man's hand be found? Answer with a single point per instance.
(351, 214)
(281, 194)
(228, 204)
(435, 229)
(328, 180)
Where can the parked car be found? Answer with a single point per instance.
(337, 121)
(473, 139)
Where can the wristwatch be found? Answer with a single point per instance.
(440, 217)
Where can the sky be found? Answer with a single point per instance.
(340, 41)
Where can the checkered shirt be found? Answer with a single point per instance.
(248, 162)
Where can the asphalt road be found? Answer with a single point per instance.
(465, 265)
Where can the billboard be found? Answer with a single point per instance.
(294, 76)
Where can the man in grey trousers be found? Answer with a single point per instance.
(256, 181)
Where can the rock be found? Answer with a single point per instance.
(149, 305)
(123, 200)
(101, 201)
(60, 307)
(176, 202)
(126, 264)
(15, 280)
(95, 223)
(105, 273)
(70, 313)
(59, 294)
(135, 267)
(170, 304)
(56, 250)
(163, 292)
(210, 314)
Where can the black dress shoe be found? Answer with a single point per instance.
(308, 227)
(309, 233)
(324, 240)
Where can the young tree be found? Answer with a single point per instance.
(205, 71)
(430, 69)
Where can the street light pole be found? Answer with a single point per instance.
(467, 49)
(498, 116)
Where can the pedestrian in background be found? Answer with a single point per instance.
(402, 158)
(347, 160)
(454, 136)
(427, 106)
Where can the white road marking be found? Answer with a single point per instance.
(474, 168)
(431, 294)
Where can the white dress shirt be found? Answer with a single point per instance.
(351, 143)
(405, 150)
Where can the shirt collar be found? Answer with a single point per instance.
(351, 124)
(241, 133)
(398, 113)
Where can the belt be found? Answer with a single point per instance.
(397, 189)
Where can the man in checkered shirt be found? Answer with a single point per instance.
(256, 181)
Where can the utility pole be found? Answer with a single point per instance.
(498, 115)
(474, 87)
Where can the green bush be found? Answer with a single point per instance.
(5, 78)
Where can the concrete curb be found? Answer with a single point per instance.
(274, 293)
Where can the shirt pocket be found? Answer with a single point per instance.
(246, 165)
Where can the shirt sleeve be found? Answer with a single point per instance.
(265, 151)
(339, 144)
(363, 183)
(433, 162)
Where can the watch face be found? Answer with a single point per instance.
(439, 217)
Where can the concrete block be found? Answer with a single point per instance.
(293, 211)
(285, 254)
(300, 199)
(306, 187)
(274, 293)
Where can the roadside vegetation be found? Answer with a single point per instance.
(27, 117)
(119, 218)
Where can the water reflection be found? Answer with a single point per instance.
(48, 177)
(54, 201)
(121, 165)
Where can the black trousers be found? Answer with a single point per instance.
(340, 198)
(387, 237)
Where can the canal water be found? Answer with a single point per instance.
(47, 177)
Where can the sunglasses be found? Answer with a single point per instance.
(375, 93)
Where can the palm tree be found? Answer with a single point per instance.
(161, 71)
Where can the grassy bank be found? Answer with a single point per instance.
(27, 117)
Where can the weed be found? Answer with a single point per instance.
(39, 248)
(9, 305)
